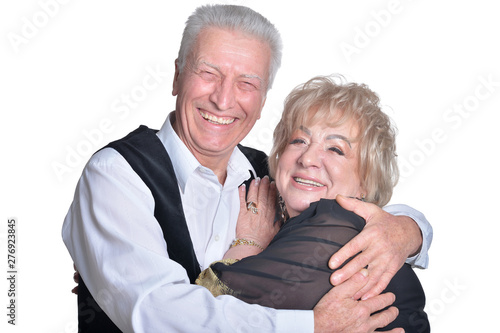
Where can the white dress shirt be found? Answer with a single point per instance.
(119, 249)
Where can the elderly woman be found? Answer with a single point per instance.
(332, 140)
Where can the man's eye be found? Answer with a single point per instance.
(207, 75)
(248, 86)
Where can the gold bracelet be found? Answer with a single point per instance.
(243, 241)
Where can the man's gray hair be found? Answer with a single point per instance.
(232, 17)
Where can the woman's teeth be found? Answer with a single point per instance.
(216, 120)
(307, 182)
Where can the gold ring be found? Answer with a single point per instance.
(252, 206)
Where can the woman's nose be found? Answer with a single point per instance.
(312, 156)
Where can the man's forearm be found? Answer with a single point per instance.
(421, 259)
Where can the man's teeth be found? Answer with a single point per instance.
(307, 182)
(216, 120)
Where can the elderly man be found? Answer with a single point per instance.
(155, 207)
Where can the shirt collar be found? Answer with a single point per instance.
(238, 169)
(185, 163)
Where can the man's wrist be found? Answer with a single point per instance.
(416, 238)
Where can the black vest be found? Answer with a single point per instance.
(148, 158)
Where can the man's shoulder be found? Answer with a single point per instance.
(141, 133)
(248, 151)
(112, 151)
(106, 157)
(257, 158)
(109, 156)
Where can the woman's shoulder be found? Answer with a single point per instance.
(327, 211)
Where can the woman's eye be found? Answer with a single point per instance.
(298, 142)
(336, 150)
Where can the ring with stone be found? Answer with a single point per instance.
(252, 206)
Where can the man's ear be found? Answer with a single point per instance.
(175, 89)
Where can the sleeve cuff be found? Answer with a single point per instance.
(421, 260)
(289, 321)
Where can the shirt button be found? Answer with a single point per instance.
(216, 238)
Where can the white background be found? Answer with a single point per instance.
(67, 66)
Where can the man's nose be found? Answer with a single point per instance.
(223, 95)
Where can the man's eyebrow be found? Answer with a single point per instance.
(253, 76)
(247, 76)
(338, 136)
(210, 65)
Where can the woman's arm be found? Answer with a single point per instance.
(256, 226)
(292, 272)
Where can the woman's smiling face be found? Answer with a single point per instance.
(319, 162)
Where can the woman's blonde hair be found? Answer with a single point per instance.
(332, 101)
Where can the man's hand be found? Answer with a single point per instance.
(76, 278)
(383, 246)
(338, 312)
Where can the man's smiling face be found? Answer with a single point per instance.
(220, 92)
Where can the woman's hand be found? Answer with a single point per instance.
(256, 225)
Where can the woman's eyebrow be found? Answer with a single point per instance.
(305, 130)
(329, 137)
(338, 136)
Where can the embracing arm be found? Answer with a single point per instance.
(119, 250)
(419, 258)
(290, 274)
(385, 244)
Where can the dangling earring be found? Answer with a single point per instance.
(284, 214)
(362, 197)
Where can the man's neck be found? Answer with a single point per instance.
(217, 165)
